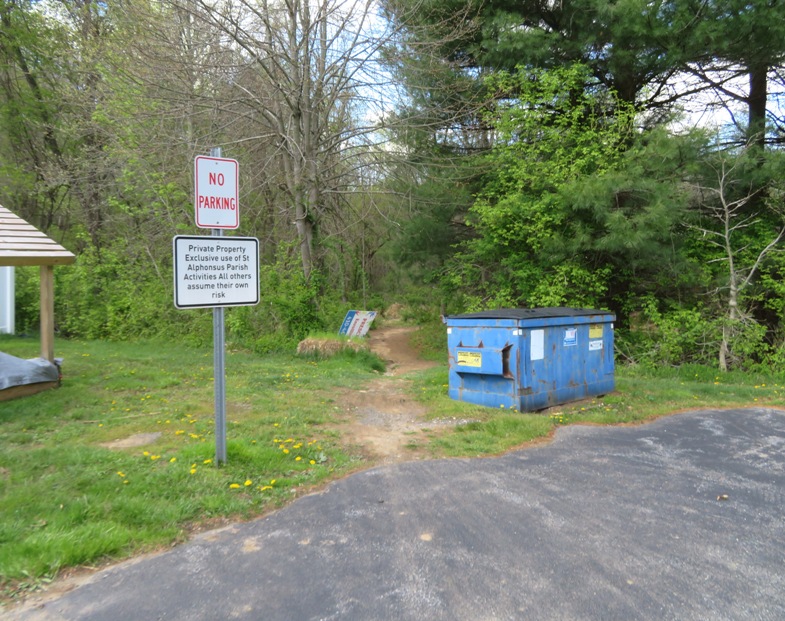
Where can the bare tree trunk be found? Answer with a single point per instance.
(756, 106)
(293, 65)
(733, 216)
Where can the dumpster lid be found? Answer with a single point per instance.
(531, 313)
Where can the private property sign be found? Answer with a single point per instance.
(214, 271)
(216, 193)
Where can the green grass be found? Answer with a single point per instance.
(68, 500)
(640, 395)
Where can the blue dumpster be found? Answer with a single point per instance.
(530, 358)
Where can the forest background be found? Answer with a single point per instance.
(447, 155)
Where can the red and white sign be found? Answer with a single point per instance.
(216, 196)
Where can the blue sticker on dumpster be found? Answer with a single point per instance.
(571, 337)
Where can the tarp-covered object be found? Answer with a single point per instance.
(17, 372)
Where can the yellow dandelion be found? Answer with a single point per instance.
(174, 459)
(298, 458)
(286, 451)
(207, 461)
(313, 462)
(272, 481)
(193, 471)
(248, 482)
(266, 487)
(125, 482)
(121, 474)
(234, 486)
(179, 432)
(154, 457)
(146, 454)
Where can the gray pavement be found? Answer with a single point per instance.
(604, 523)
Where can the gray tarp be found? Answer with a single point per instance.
(17, 372)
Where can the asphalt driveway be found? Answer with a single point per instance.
(680, 519)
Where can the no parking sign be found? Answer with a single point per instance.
(216, 193)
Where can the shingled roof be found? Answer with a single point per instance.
(23, 244)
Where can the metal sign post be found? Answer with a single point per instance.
(213, 271)
(219, 360)
(219, 373)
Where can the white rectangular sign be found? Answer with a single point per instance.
(215, 271)
(216, 192)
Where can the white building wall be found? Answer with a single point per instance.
(7, 300)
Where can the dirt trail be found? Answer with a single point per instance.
(382, 418)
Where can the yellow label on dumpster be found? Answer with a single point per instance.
(595, 331)
(470, 358)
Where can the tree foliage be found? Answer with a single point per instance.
(531, 157)
(582, 209)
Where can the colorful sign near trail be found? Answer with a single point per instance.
(357, 323)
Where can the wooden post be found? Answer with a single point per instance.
(47, 313)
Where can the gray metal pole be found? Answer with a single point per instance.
(219, 366)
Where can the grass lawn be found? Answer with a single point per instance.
(69, 498)
(640, 395)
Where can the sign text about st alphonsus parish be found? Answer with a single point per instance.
(215, 271)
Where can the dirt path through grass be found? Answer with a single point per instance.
(382, 418)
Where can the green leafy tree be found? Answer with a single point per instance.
(645, 52)
(582, 209)
(736, 49)
(31, 143)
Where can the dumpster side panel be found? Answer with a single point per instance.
(482, 364)
(577, 363)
